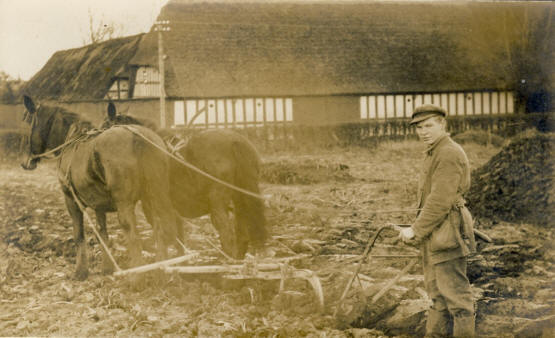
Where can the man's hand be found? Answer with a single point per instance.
(406, 234)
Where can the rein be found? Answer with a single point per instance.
(60, 147)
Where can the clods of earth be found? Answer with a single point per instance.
(323, 207)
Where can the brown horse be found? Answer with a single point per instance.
(107, 171)
(237, 214)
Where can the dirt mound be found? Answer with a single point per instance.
(517, 183)
(306, 172)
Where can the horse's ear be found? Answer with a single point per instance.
(111, 110)
(29, 104)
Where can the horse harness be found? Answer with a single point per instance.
(181, 143)
(65, 180)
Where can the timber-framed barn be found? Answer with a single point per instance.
(246, 63)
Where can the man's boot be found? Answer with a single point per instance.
(437, 324)
(464, 326)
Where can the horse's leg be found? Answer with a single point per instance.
(150, 214)
(249, 210)
(82, 265)
(161, 215)
(220, 200)
(127, 220)
(241, 232)
(107, 266)
(251, 221)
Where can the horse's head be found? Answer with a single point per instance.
(35, 140)
(47, 130)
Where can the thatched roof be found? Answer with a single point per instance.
(278, 48)
(320, 48)
(84, 73)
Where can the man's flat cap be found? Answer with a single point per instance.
(426, 111)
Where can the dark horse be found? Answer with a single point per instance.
(228, 156)
(108, 171)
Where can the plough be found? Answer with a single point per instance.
(249, 269)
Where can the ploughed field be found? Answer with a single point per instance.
(322, 204)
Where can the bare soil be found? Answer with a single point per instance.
(327, 206)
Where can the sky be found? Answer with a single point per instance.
(32, 30)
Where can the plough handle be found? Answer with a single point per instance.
(482, 235)
(367, 250)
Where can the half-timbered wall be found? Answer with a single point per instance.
(241, 112)
(236, 112)
(457, 104)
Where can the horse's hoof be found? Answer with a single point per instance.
(81, 275)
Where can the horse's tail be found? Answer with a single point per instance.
(249, 210)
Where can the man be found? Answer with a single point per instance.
(443, 227)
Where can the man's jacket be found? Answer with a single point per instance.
(444, 178)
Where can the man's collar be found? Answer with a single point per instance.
(431, 148)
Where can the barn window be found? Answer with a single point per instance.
(240, 112)
(119, 90)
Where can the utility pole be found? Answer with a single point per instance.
(161, 26)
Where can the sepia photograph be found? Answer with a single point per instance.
(277, 168)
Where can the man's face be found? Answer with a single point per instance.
(430, 130)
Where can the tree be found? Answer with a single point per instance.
(10, 88)
(101, 30)
(518, 41)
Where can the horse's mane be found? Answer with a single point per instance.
(128, 119)
(68, 117)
